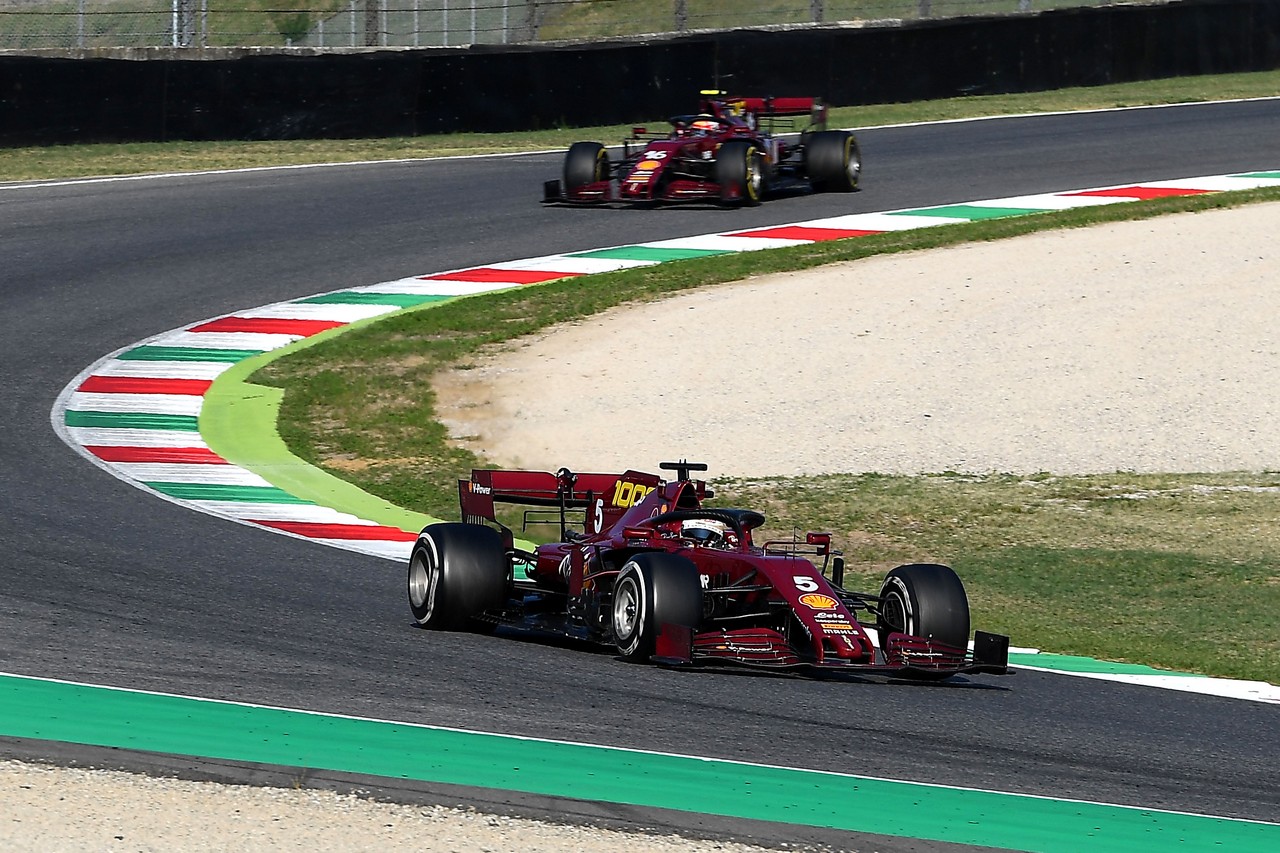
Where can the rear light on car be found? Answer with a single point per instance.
(646, 534)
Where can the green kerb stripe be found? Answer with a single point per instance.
(224, 492)
(155, 353)
(71, 713)
(970, 211)
(402, 300)
(1072, 663)
(131, 420)
(648, 253)
(1258, 175)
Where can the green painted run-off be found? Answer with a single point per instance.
(84, 714)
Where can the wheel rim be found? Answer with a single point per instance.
(853, 162)
(421, 582)
(755, 177)
(626, 609)
(893, 612)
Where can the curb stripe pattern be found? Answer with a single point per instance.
(137, 412)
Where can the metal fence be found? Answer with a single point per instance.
(32, 24)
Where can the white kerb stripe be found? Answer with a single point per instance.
(207, 370)
(156, 404)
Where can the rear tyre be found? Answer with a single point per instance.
(456, 573)
(740, 173)
(924, 600)
(833, 162)
(652, 590)
(585, 163)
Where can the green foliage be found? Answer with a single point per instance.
(605, 18)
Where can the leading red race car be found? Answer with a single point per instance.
(730, 153)
(662, 577)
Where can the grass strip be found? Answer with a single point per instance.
(72, 161)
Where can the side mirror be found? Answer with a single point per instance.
(822, 540)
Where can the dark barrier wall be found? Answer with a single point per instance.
(47, 100)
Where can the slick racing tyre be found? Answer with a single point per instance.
(740, 173)
(833, 162)
(924, 600)
(457, 572)
(585, 163)
(652, 590)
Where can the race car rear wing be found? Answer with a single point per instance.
(532, 488)
(563, 490)
(766, 109)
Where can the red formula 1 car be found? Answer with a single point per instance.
(728, 153)
(664, 578)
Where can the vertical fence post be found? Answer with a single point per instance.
(530, 21)
(682, 15)
(923, 8)
(370, 23)
(816, 11)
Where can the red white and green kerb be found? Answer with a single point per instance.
(137, 412)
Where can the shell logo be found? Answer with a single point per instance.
(648, 164)
(819, 602)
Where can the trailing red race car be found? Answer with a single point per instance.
(729, 153)
(662, 577)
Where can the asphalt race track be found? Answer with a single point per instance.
(103, 583)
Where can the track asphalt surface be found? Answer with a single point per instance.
(104, 584)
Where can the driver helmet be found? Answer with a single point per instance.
(706, 532)
(703, 125)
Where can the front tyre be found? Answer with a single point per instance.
(652, 590)
(924, 600)
(833, 161)
(585, 163)
(740, 173)
(457, 572)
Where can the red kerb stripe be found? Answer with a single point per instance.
(317, 530)
(268, 325)
(171, 455)
(1140, 192)
(497, 276)
(144, 385)
(803, 232)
